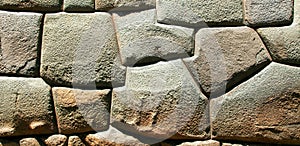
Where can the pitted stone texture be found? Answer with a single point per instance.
(75, 141)
(79, 5)
(198, 13)
(19, 43)
(226, 56)
(29, 142)
(284, 42)
(201, 143)
(79, 111)
(112, 137)
(263, 109)
(56, 140)
(143, 41)
(124, 5)
(159, 101)
(80, 50)
(31, 5)
(26, 103)
(268, 12)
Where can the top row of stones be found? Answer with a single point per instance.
(193, 13)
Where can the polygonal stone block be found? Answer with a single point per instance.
(56, 140)
(198, 13)
(142, 41)
(78, 5)
(25, 107)
(79, 111)
(75, 141)
(225, 57)
(31, 5)
(124, 5)
(263, 109)
(19, 43)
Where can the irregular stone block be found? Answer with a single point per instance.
(226, 56)
(80, 111)
(56, 140)
(263, 109)
(284, 42)
(142, 41)
(75, 141)
(124, 5)
(31, 5)
(198, 13)
(19, 43)
(79, 6)
(5, 142)
(29, 142)
(26, 103)
(201, 143)
(80, 50)
(159, 101)
(268, 12)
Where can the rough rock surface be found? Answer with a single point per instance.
(124, 5)
(80, 111)
(263, 109)
(198, 13)
(56, 140)
(31, 5)
(79, 50)
(159, 101)
(284, 42)
(268, 13)
(75, 141)
(141, 40)
(19, 43)
(29, 142)
(201, 143)
(78, 5)
(26, 103)
(226, 56)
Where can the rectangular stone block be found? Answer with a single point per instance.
(25, 107)
(79, 5)
(124, 5)
(19, 43)
(31, 5)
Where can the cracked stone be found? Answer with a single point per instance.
(226, 56)
(31, 5)
(19, 43)
(159, 101)
(79, 111)
(141, 40)
(26, 101)
(124, 5)
(263, 109)
(78, 6)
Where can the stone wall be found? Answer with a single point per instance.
(149, 72)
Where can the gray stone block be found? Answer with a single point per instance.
(31, 5)
(124, 5)
(79, 5)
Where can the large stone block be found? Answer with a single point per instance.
(197, 13)
(79, 5)
(80, 50)
(25, 107)
(224, 57)
(79, 111)
(263, 109)
(19, 43)
(124, 5)
(142, 41)
(284, 42)
(159, 101)
(31, 5)
(268, 12)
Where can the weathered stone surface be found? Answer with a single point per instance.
(80, 50)
(5, 142)
(124, 5)
(26, 103)
(56, 140)
(226, 56)
(268, 13)
(143, 41)
(19, 43)
(29, 142)
(112, 137)
(200, 12)
(79, 5)
(159, 101)
(263, 109)
(284, 42)
(31, 5)
(80, 111)
(201, 143)
(75, 141)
